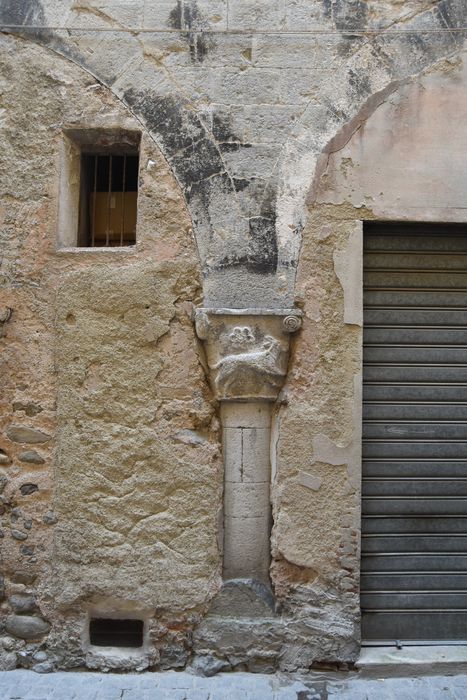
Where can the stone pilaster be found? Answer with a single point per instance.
(247, 354)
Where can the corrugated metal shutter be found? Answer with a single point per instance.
(414, 525)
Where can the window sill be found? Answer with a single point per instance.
(95, 249)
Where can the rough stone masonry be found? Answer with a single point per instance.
(269, 130)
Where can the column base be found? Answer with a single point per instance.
(243, 597)
(241, 631)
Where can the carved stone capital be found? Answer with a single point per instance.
(247, 350)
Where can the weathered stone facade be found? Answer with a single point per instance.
(269, 131)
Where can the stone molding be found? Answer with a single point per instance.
(247, 350)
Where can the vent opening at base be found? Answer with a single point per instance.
(107, 632)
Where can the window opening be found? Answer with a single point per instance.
(106, 632)
(109, 190)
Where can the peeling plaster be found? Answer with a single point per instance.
(348, 266)
(309, 481)
(327, 451)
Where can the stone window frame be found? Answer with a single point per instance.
(123, 657)
(75, 141)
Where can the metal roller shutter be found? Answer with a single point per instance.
(414, 499)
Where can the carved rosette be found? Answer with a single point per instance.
(247, 350)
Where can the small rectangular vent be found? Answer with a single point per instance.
(106, 632)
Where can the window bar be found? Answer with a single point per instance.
(93, 222)
(109, 195)
(123, 200)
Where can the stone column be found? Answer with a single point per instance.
(247, 355)
(247, 475)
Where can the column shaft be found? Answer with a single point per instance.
(247, 510)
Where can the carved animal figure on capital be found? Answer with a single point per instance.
(263, 364)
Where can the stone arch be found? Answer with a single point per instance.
(183, 137)
(249, 245)
(379, 66)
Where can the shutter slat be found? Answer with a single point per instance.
(422, 335)
(392, 297)
(417, 468)
(415, 317)
(410, 486)
(416, 525)
(414, 582)
(414, 626)
(419, 543)
(409, 506)
(434, 393)
(436, 412)
(442, 600)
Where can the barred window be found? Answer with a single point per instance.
(98, 188)
(109, 190)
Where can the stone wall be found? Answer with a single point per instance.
(111, 475)
(270, 130)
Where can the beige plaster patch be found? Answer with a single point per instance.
(348, 265)
(309, 481)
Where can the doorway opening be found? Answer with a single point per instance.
(414, 496)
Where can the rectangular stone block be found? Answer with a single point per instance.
(246, 455)
(246, 500)
(229, 85)
(252, 161)
(298, 85)
(234, 50)
(253, 124)
(287, 52)
(256, 14)
(232, 449)
(126, 12)
(209, 14)
(141, 70)
(303, 15)
(247, 547)
(256, 454)
(235, 414)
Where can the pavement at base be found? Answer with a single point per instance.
(170, 685)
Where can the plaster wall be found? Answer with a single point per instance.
(111, 472)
